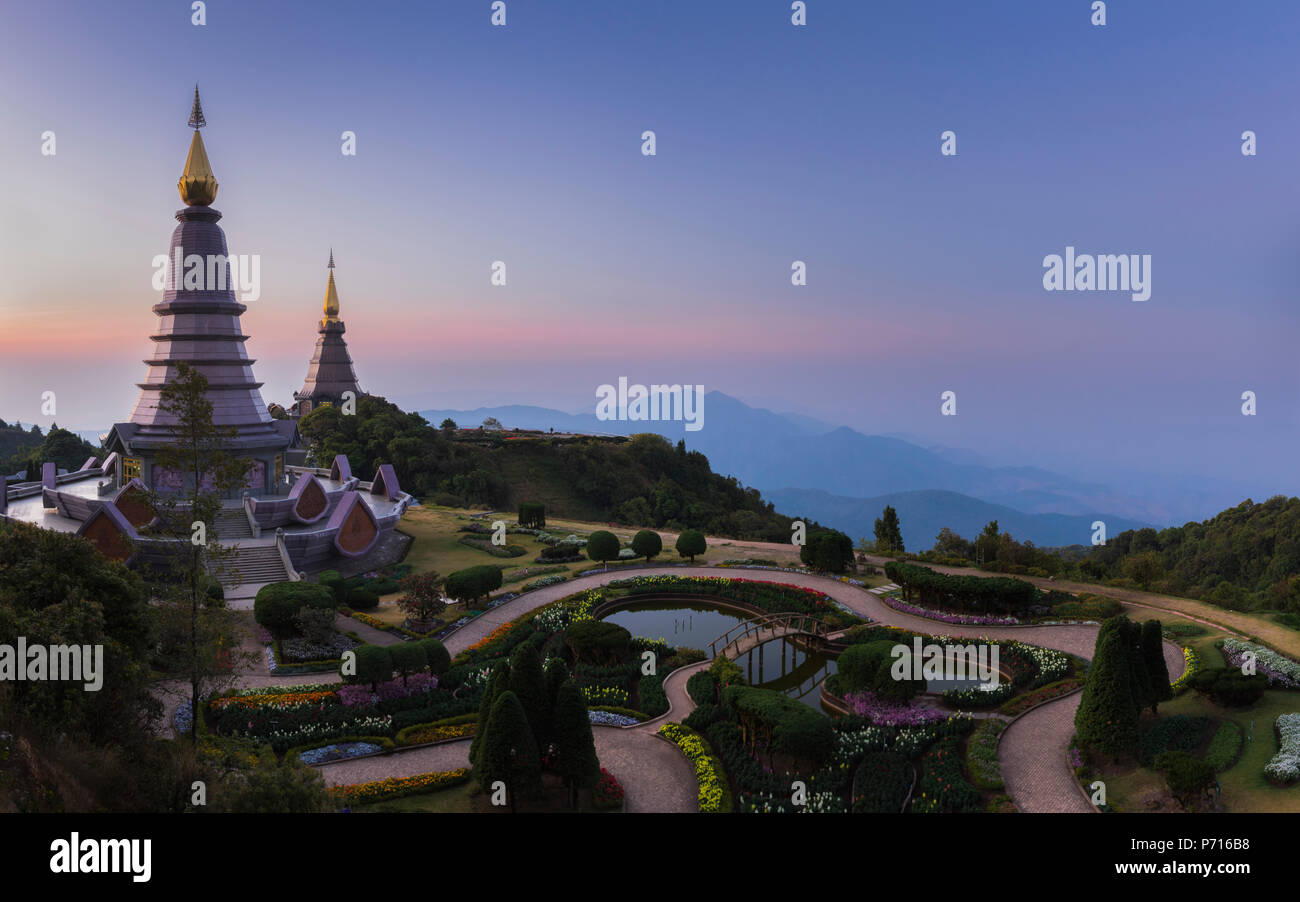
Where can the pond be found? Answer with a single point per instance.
(780, 664)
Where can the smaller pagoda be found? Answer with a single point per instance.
(330, 373)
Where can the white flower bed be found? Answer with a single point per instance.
(1280, 670)
(1285, 765)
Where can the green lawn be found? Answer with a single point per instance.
(1243, 785)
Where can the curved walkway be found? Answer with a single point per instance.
(658, 778)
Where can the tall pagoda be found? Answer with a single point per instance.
(330, 372)
(201, 327)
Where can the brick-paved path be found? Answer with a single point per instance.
(658, 778)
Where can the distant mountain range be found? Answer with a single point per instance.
(844, 478)
(922, 514)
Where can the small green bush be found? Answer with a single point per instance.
(408, 658)
(374, 664)
(1224, 747)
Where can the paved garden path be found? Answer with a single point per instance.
(656, 775)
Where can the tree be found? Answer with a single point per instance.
(690, 543)
(575, 747)
(1143, 694)
(889, 535)
(647, 543)
(492, 423)
(1143, 569)
(1153, 650)
(508, 752)
(473, 583)
(532, 515)
(374, 664)
(198, 455)
(528, 682)
(987, 543)
(448, 425)
(556, 674)
(436, 656)
(603, 546)
(422, 596)
(408, 658)
(497, 683)
(827, 549)
(1106, 719)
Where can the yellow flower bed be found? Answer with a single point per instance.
(285, 699)
(395, 787)
(1193, 664)
(707, 770)
(437, 734)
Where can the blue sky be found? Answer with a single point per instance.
(775, 143)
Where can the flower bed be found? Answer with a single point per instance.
(419, 736)
(279, 700)
(301, 650)
(361, 694)
(882, 712)
(545, 581)
(608, 793)
(1280, 671)
(881, 783)
(774, 598)
(609, 719)
(943, 617)
(605, 695)
(942, 787)
(1284, 767)
(714, 796)
(982, 755)
(1023, 703)
(339, 752)
(1192, 664)
(396, 787)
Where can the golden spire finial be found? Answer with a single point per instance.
(331, 295)
(198, 186)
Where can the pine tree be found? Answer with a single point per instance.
(497, 683)
(889, 534)
(575, 747)
(509, 752)
(1107, 719)
(528, 682)
(1153, 650)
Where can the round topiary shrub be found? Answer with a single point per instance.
(603, 546)
(277, 604)
(436, 656)
(408, 658)
(362, 599)
(647, 543)
(374, 665)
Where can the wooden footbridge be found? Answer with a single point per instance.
(749, 634)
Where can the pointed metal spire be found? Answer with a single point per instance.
(331, 263)
(196, 113)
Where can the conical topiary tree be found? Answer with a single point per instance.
(1106, 720)
(508, 752)
(528, 682)
(497, 683)
(1141, 677)
(1153, 650)
(575, 747)
(556, 674)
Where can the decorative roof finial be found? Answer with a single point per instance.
(196, 114)
(198, 186)
(331, 305)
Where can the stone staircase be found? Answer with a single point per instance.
(252, 565)
(232, 523)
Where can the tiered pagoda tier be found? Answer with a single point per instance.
(201, 328)
(330, 372)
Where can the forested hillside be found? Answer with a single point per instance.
(643, 480)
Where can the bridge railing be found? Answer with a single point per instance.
(787, 622)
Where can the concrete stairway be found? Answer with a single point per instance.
(252, 565)
(232, 523)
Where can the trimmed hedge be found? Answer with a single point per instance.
(277, 604)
